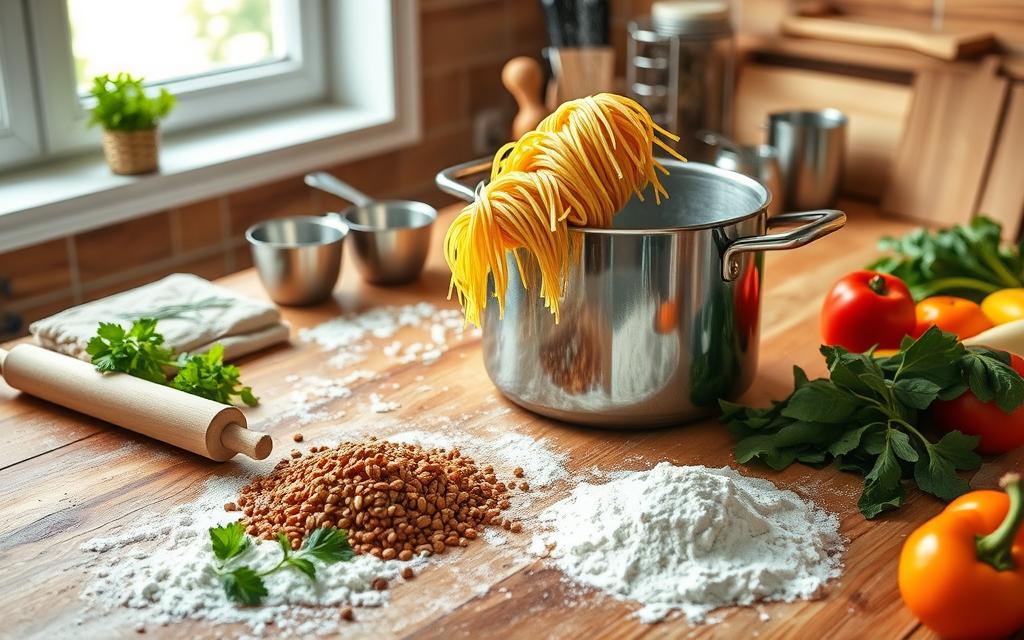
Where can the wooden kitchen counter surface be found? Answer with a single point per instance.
(66, 478)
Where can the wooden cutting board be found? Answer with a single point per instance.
(903, 34)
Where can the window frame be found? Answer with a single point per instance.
(202, 100)
(19, 130)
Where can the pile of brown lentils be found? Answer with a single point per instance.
(395, 500)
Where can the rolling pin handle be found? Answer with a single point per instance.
(3, 356)
(255, 445)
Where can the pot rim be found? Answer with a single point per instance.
(762, 192)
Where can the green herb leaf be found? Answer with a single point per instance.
(207, 376)
(820, 401)
(882, 487)
(917, 393)
(243, 585)
(228, 541)
(851, 438)
(137, 352)
(285, 544)
(991, 377)
(328, 545)
(303, 565)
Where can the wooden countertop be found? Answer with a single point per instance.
(66, 478)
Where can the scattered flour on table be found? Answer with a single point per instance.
(350, 335)
(691, 539)
(171, 578)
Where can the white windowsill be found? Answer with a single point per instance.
(74, 195)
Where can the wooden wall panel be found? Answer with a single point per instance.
(877, 111)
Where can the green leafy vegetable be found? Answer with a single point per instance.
(122, 104)
(229, 541)
(207, 376)
(137, 352)
(244, 584)
(865, 417)
(967, 261)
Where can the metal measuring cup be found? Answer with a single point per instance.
(391, 237)
(811, 147)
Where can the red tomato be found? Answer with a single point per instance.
(867, 309)
(949, 313)
(1000, 432)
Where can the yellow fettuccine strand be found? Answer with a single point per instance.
(579, 167)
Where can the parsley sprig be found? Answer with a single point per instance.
(244, 584)
(138, 351)
(866, 417)
(206, 375)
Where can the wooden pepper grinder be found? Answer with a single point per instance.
(524, 79)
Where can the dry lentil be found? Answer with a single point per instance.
(297, 437)
(380, 584)
(518, 472)
(408, 573)
(347, 613)
(230, 506)
(395, 500)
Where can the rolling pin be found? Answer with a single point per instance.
(181, 419)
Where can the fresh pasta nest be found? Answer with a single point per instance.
(578, 168)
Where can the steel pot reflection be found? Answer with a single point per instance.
(660, 313)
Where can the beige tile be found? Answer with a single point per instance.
(287, 197)
(198, 225)
(36, 270)
(126, 245)
(462, 35)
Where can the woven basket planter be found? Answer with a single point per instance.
(131, 152)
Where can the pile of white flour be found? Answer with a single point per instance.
(692, 539)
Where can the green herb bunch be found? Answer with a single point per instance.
(866, 417)
(244, 584)
(138, 352)
(206, 375)
(967, 261)
(122, 104)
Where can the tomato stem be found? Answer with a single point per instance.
(996, 548)
(877, 284)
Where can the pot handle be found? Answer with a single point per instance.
(451, 180)
(820, 223)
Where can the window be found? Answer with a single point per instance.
(223, 59)
(265, 88)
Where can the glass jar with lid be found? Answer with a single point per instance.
(681, 65)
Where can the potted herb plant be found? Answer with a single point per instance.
(130, 121)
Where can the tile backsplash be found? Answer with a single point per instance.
(464, 44)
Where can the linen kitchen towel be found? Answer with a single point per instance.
(193, 314)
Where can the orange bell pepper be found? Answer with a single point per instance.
(962, 572)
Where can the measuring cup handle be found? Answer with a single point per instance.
(326, 182)
(451, 180)
(820, 223)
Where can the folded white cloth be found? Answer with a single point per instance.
(192, 315)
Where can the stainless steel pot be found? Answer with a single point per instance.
(660, 316)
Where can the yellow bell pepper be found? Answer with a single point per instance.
(1005, 305)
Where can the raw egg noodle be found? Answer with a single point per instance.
(579, 167)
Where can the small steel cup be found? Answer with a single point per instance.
(811, 146)
(391, 239)
(298, 258)
(391, 236)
